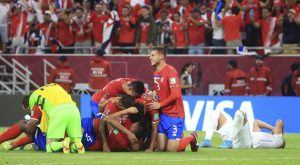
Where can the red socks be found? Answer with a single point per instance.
(11, 133)
(184, 142)
(23, 141)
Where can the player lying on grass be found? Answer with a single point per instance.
(244, 133)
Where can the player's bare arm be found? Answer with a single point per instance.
(102, 125)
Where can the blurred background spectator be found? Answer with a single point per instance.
(100, 71)
(296, 81)
(260, 79)
(81, 25)
(63, 74)
(186, 82)
(235, 80)
(286, 85)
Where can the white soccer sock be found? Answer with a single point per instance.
(212, 124)
(237, 124)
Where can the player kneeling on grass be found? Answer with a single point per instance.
(60, 116)
(122, 117)
(114, 140)
(170, 104)
(244, 133)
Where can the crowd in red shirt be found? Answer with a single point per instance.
(68, 26)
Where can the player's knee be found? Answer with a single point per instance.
(172, 148)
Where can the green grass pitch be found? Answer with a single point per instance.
(287, 156)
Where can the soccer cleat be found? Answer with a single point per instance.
(80, 147)
(205, 144)
(226, 145)
(194, 142)
(66, 145)
(7, 146)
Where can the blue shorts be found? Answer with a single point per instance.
(171, 126)
(88, 136)
(39, 139)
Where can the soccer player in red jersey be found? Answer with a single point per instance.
(151, 114)
(113, 89)
(167, 87)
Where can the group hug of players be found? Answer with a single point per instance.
(125, 117)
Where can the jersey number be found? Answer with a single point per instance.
(156, 82)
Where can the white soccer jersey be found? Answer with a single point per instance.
(266, 140)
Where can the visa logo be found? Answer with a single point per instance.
(205, 107)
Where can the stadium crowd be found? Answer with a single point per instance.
(183, 26)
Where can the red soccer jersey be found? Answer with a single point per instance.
(196, 32)
(16, 21)
(179, 34)
(232, 25)
(153, 114)
(110, 108)
(145, 26)
(167, 85)
(112, 89)
(65, 33)
(118, 141)
(36, 113)
(100, 70)
(127, 30)
(98, 22)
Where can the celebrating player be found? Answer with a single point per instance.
(60, 111)
(113, 89)
(167, 87)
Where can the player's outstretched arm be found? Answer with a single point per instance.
(153, 136)
(102, 125)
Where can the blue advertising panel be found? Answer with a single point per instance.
(268, 109)
(197, 108)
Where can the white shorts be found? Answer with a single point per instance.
(266, 140)
(243, 138)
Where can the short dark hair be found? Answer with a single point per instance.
(137, 86)
(295, 66)
(99, 52)
(183, 69)
(235, 10)
(127, 101)
(146, 7)
(63, 58)
(232, 63)
(160, 49)
(26, 101)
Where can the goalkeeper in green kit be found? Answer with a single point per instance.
(59, 117)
